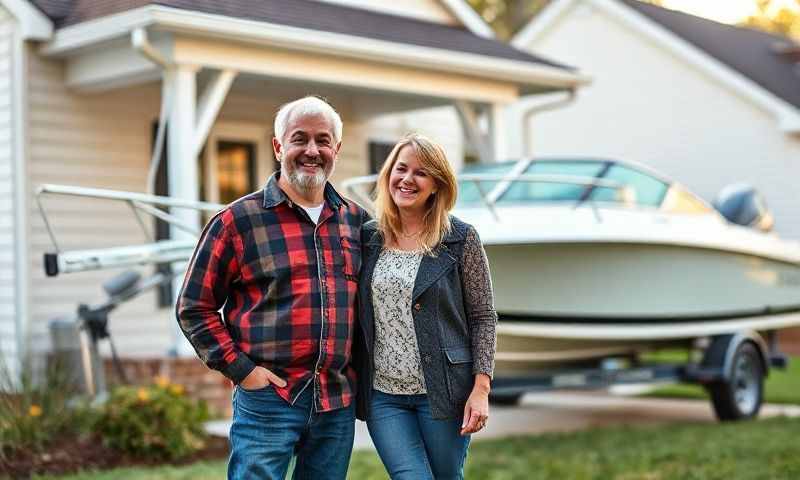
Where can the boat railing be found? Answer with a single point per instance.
(155, 251)
(626, 195)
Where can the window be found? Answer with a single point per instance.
(649, 191)
(378, 153)
(236, 170)
(523, 191)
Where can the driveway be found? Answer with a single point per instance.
(570, 411)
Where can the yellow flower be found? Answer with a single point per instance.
(35, 411)
(162, 381)
(177, 389)
(143, 395)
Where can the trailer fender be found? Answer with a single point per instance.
(723, 348)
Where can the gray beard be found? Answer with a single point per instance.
(304, 182)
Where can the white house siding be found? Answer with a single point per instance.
(429, 10)
(649, 106)
(103, 141)
(8, 331)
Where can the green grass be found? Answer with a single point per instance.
(764, 449)
(781, 386)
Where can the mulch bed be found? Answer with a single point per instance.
(71, 455)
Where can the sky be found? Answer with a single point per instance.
(726, 11)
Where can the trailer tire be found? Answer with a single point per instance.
(739, 397)
(507, 399)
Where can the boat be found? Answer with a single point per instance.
(596, 258)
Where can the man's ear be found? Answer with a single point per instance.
(338, 146)
(277, 147)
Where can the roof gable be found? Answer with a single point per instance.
(753, 53)
(307, 14)
(745, 59)
(70, 12)
(33, 25)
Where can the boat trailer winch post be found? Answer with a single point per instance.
(76, 339)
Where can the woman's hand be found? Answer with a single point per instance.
(476, 411)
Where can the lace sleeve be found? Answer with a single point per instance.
(479, 303)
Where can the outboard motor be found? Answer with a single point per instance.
(743, 205)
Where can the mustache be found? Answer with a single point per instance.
(301, 161)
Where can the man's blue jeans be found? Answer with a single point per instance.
(411, 444)
(266, 432)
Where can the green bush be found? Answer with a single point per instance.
(37, 406)
(157, 421)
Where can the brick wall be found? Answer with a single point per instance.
(199, 381)
(789, 341)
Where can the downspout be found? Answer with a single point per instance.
(529, 111)
(142, 44)
(20, 139)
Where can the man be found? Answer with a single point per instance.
(282, 265)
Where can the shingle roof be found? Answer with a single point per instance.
(307, 14)
(754, 54)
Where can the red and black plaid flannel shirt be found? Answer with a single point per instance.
(286, 289)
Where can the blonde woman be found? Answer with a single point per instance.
(427, 336)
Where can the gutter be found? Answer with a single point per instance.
(526, 109)
(141, 44)
(19, 163)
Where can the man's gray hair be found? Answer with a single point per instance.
(310, 105)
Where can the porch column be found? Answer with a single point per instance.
(498, 132)
(469, 114)
(182, 170)
(485, 128)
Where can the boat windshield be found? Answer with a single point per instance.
(646, 189)
(524, 192)
(468, 192)
(649, 191)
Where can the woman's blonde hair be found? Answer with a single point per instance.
(436, 222)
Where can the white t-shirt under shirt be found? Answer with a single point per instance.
(314, 212)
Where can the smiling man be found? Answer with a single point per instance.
(268, 300)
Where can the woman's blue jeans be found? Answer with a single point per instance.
(267, 431)
(411, 444)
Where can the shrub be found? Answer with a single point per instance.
(157, 421)
(36, 406)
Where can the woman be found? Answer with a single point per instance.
(427, 319)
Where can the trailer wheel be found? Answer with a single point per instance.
(740, 397)
(508, 399)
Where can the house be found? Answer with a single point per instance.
(706, 103)
(85, 83)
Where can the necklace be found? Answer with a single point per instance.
(410, 235)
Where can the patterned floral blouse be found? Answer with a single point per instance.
(398, 368)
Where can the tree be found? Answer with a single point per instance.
(506, 17)
(775, 19)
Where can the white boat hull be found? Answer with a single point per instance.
(591, 282)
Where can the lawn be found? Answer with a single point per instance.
(764, 449)
(781, 386)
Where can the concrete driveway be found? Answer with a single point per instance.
(570, 411)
